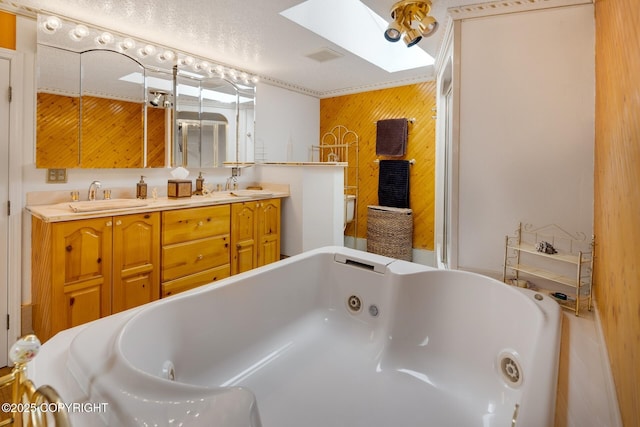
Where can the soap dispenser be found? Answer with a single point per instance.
(141, 189)
(199, 185)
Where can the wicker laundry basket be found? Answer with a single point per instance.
(390, 232)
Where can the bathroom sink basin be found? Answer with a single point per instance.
(105, 205)
(251, 193)
(219, 195)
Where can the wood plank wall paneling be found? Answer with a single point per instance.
(113, 128)
(155, 137)
(57, 131)
(116, 131)
(359, 113)
(7, 30)
(617, 195)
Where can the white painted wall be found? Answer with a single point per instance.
(313, 214)
(526, 141)
(287, 124)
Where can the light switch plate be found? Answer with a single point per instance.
(56, 176)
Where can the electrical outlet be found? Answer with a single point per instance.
(56, 176)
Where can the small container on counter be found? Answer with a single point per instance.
(179, 188)
(141, 189)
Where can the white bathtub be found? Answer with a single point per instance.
(280, 346)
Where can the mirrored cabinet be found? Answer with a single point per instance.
(108, 101)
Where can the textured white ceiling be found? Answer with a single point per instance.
(249, 35)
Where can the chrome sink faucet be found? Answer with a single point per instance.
(93, 188)
(231, 184)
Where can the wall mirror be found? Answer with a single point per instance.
(245, 149)
(206, 111)
(112, 108)
(58, 108)
(107, 101)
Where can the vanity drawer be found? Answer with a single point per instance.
(183, 259)
(194, 280)
(195, 223)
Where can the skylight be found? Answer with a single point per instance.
(353, 26)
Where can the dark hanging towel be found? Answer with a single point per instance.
(391, 137)
(393, 183)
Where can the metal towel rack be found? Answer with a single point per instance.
(412, 161)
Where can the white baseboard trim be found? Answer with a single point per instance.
(615, 419)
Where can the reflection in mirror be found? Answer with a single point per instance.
(58, 108)
(187, 110)
(206, 114)
(246, 125)
(219, 102)
(159, 118)
(112, 110)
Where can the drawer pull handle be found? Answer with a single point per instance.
(72, 301)
(200, 223)
(69, 248)
(200, 257)
(147, 216)
(109, 223)
(118, 222)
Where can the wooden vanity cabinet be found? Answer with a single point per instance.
(83, 270)
(136, 260)
(86, 269)
(255, 234)
(71, 273)
(195, 247)
(268, 231)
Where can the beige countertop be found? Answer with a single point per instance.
(66, 211)
(320, 164)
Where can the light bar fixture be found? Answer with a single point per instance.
(78, 37)
(411, 19)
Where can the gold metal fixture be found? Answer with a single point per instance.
(411, 19)
(30, 406)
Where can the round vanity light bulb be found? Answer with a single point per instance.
(147, 50)
(51, 24)
(167, 55)
(104, 38)
(255, 79)
(79, 32)
(127, 44)
(187, 60)
(200, 66)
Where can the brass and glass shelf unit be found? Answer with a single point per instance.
(566, 276)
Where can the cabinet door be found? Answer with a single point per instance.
(136, 258)
(244, 230)
(82, 304)
(268, 231)
(81, 272)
